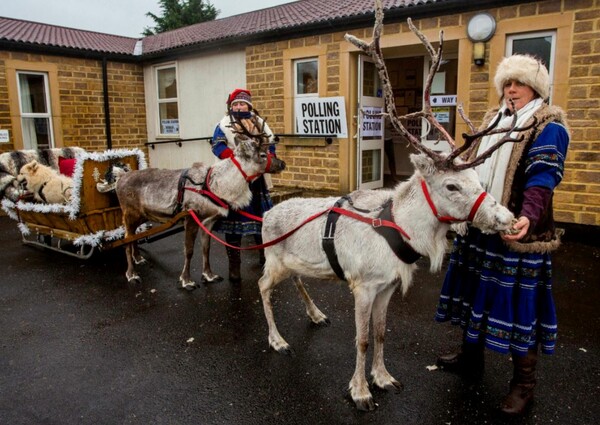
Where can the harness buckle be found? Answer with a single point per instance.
(376, 222)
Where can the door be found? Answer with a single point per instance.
(370, 128)
(443, 103)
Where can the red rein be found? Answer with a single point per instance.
(375, 222)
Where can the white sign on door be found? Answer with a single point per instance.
(372, 121)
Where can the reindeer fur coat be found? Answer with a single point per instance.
(544, 237)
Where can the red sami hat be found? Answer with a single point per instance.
(240, 95)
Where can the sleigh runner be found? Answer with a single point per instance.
(92, 219)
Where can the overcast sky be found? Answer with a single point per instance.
(119, 17)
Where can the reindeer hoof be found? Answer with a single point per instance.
(392, 385)
(366, 404)
(141, 260)
(323, 323)
(134, 279)
(286, 350)
(211, 278)
(188, 286)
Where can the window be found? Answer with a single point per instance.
(306, 77)
(539, 44)
(36, 116)
(168, 109)
(371, 83)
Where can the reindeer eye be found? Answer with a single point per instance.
(452, 187)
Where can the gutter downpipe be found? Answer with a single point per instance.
(106, 103)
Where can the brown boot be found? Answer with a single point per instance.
(522, 384)
(468, 361)
(234, 257)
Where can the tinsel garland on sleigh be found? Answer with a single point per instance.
(72, 208)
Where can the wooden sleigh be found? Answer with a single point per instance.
(92, 220)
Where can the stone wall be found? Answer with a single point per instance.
(316, 166)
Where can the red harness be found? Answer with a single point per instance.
(247, 177)
(218, 201)
(449, 219)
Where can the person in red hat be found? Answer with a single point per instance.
(241, 113)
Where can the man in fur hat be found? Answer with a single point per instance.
(498, 288)
(239, 119)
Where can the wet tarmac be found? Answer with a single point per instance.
(79, 346)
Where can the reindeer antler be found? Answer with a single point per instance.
(261, 136)
(468, 146)
(373, 49)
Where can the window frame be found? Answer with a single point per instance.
(16, 131)
(160, 101)
(562, 23)
(28, 144)
(298, 61)
(510, 39)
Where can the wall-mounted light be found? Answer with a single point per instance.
(480, 29)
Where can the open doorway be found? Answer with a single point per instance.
(407, 75)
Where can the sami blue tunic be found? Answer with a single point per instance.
(502, 296)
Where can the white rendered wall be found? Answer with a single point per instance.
(203, 81)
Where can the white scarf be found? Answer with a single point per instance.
(493, 171)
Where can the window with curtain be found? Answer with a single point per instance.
(34, 102)
(168, 108)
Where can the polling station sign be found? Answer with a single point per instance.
(372, 121)
(321, 116)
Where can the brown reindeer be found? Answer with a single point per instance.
(374, 262)
(159, 195)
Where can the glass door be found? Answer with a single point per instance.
(370, 127)
(443, 103)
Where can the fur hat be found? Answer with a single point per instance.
(526, 70)
(240, 95)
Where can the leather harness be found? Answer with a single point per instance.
(401, 248)
(181, 188)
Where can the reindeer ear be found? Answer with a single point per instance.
(423, 163)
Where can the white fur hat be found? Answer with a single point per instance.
(524, 69)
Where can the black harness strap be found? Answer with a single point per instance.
(41, 192)
(328, 243)
(401, 248)
(180, 185)
(396, 242)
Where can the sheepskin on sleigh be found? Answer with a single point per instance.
(90, 217)
(12, 162)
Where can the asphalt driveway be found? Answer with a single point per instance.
(79, 346)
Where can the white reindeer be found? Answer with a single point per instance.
(442, 190)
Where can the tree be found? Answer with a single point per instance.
(181, 13)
